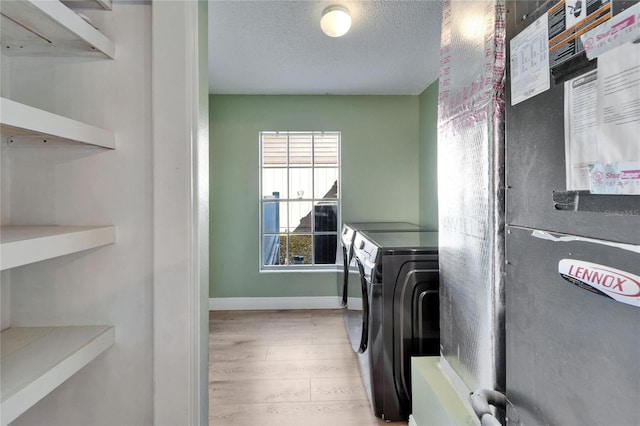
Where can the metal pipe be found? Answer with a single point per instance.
(481, 401)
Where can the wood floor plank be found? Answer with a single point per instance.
(268, 324)
(342, 413)
(310, 352)
(232, 352)
(328, 340)
(259, 391)
(337, 389)
(264, 339)
(281, 368)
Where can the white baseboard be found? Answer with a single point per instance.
(264, 303)
(354, 303)
(412, 421)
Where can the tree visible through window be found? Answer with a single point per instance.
(300, 175)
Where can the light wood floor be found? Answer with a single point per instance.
(277, 368)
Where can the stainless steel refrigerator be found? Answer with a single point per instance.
(572, 257)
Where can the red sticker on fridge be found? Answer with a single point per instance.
(619, 285)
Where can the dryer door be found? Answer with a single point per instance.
(416, 317)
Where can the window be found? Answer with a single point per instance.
(299, 187)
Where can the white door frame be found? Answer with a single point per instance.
(180, 209)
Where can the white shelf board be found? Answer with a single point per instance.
(21, 245)
(49, 28)
(36, 360)
(23, 122)
(88, 4)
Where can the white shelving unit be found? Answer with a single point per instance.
(88, 4)
(49, 28)
(22, 245)
(25, 124)
(36, 360)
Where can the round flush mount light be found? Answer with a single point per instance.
(335, 21)
(473, 28)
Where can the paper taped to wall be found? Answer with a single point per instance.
(622, 28)
(602, 121)
(530, 61)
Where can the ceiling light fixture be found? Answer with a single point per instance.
(335, 21)
(473, 28)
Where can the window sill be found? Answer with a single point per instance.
(301, 269)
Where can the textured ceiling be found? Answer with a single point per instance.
(277, 47)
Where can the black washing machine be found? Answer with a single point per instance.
(400, 316)
(349, 231)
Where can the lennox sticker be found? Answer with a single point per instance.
(614, 283)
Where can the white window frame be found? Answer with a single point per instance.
(301, 267)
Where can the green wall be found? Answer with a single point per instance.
(379, 133)
(428, 157)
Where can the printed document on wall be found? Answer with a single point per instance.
(602, 125)
(580, 128)
(619, 104)
(530, 61)
(617, 170)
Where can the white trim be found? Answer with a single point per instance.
(180, 380)
(354, 303)
(290, 199)
(412, 421)
(284, 269)
(265, 303)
